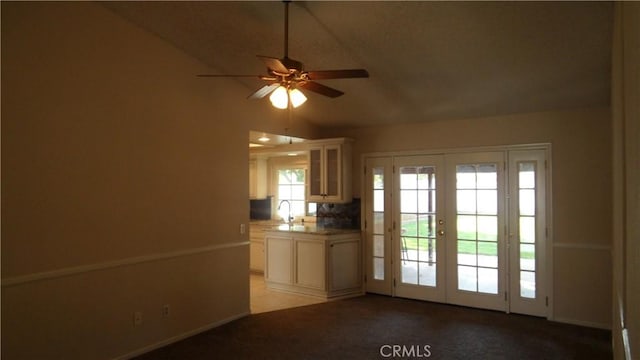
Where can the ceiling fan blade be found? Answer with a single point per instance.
(263, 91)
(222, 75)
(337, 74)
(274, 64)
(320, 89)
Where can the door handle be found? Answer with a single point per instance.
(441, 232)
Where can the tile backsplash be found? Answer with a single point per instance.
(341, 216)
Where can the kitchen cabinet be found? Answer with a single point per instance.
(257, 178)
(256, 246)
(318, 264)
(279, 254)
(309, 263)
(329, 176)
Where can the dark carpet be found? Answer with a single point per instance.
(379, 327)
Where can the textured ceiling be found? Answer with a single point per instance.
(427, 60)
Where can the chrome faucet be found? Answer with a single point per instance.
(289, 218)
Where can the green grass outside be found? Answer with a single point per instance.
(488, 248)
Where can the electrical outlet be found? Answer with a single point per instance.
(166, 310)
(137, 318)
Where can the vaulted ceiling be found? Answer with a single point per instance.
(427, 60)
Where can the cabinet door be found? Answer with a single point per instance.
(279, 258)
(344, 263)
(253, 184)
(332, 170)
(315, 174)
(256, 256)
(310, 264)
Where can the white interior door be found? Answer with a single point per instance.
(476, 270)
(418, 227)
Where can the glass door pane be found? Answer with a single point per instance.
(475, 212)
(417, 232)
(477, 227)
(378, 229)
(315, 172)
(333, 168)
(527, 233)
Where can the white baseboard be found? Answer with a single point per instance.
(179, 337)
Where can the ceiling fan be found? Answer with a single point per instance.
(286, 76)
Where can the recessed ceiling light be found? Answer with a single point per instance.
(292, 154)
(263, 138)
(252, 145)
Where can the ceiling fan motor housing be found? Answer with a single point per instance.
(292, 65)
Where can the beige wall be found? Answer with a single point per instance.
(121, 186)
(581, 184)
(626, 180)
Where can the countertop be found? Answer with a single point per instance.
(297, 227)
(310, 228)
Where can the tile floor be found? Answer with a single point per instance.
(264, 300)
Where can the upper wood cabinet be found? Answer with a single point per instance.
(329, 176)
(257, 178)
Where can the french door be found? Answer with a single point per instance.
(476, 214)
(463, 228)
(418, 226)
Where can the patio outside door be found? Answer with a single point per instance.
(464, 228)
(418, 227)
(476, 271)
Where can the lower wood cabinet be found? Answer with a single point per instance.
(314, 264)
(278, 253)
(310, 264)
(256, 246)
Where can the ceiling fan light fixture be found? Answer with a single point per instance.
(297, 97)
(279, 98)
